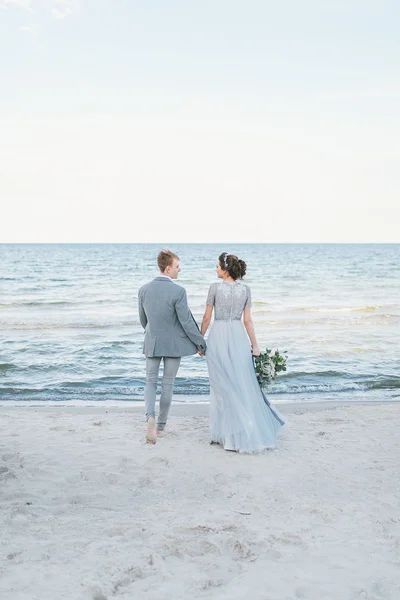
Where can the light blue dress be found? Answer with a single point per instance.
(240, 417)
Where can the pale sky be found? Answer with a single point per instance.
(200, 121)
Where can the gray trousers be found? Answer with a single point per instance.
(171, 366)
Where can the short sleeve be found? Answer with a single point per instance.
(248, 303)
(211, 295)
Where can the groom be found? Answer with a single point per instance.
(170, 333)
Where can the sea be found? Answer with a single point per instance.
(70, 332)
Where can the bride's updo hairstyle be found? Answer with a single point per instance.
(235, 267)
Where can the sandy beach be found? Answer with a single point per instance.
(89, 511)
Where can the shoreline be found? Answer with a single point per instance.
(184, 409)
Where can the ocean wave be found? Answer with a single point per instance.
(325, 309)
(296, 374)
(5, 367)
(342, 309)
(40, 326)
(57, 279)
(133, 387)
(112, 302)
(35, 303)
(315, 388)
(365, 321)
(385, 383)
(345, 386)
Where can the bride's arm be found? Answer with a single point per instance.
(206, 319)
(248, 323)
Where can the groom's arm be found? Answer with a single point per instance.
(142, 314)
(188, 323)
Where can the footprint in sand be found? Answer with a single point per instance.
(221, 479)
(97, 595)
(157, 460)
(238, 550)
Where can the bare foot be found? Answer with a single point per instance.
(161, 432)
(151, 437)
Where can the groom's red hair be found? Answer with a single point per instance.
(165, 259)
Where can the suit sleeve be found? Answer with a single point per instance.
(188, 323)
(142, 313)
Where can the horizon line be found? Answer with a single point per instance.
(196, 243)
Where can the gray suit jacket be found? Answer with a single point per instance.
(170, 328)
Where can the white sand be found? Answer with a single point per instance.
(88, 511)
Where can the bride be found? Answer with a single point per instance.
(240, 419)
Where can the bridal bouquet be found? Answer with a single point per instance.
(268, 365)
